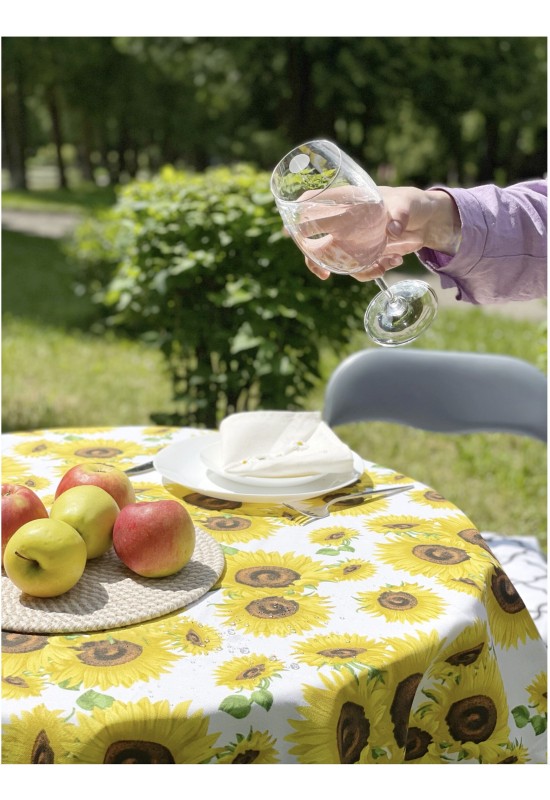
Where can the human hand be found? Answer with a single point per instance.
(416, 218)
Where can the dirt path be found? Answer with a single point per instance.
(48, 224)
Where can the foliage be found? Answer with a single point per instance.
(56, 377)
(419, 109)
(199, 265)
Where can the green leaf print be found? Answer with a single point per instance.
(91, 699)
(236, 705)
(539, 724)
(521, 716)
(263, 698)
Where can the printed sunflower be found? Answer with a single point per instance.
(142, 733)
(36, 737)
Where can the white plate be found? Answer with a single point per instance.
(211, 456)
(181, 463)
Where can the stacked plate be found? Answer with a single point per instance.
(195, 463)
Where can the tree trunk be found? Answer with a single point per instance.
(14, 129)
(55, 117)
(85, 152)
(300, 111)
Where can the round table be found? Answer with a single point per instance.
(387, 633)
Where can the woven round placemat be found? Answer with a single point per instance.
(109, 595)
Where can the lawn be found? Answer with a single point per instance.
(58, 373)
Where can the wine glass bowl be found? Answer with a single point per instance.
(336, 216)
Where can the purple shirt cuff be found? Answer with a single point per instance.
(502, 254)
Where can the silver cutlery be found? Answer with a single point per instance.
(308, 513)
(137, 470)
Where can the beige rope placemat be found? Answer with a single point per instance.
(109, 595)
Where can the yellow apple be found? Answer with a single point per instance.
(45, 558)
(92, 512)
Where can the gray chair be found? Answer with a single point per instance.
(446, 392)
(450, 392)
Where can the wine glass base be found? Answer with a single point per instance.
(413, 309)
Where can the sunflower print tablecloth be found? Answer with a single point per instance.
(385, 634)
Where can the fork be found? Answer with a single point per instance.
(308, 513)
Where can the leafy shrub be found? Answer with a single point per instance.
(199, 264)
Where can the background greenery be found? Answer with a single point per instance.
(56, 373)
(85, 117)
(412, 109)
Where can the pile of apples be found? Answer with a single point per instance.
(94, 509)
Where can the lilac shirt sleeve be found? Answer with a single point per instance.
(503, 250)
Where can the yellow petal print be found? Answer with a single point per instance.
(255, 748)
(333, 536)
(407, 602)
(338, 721)
(232, 528)
(111, 658)
(468, 714)
(471, 646)
(164, 431)
(538, 693)
(435, 555)
(509, 621)
(274, 614)
(352, 569)
(430, 498)
(118, 452)
(36, 448)
(383, 477)
(16, 687)
(186, 634)
(339, 649)
(514, 754)
(245, 672)
(142, 733)
(14, 470)
(388, 523)
(407, 673)
(36, 737)
(24, 652)
(271, 571)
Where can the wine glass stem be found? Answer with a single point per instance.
(381, 283)
(394, 304)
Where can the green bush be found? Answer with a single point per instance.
(199, 264)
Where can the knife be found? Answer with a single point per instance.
(137, 470)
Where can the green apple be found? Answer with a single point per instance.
(45, 557)
(92, 512)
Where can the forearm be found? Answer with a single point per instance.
(443, 231)
(503, 247)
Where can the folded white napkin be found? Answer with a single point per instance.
(281, 444)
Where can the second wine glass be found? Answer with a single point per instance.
(334, 212)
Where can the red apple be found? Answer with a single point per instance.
(154, 539)
(107, 477)
(19, 506)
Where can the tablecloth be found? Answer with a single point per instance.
(387, 633)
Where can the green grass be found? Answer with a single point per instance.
(83, 198)
(52, 378)
(498, 480)
(57, 373)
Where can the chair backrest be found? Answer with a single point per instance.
(446, 392)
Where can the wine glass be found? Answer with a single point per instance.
(317, 186)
